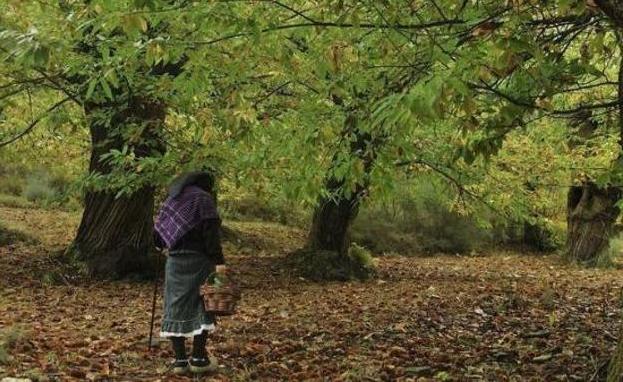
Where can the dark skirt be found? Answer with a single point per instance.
(184, 312)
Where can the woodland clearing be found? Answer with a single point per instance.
(497, 316)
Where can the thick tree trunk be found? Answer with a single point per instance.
(115, 234)
(334, 216)
(330, 229)
(591, 214)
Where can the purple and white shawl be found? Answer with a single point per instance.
(182, 213)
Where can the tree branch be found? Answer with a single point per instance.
(34, 123)
(411, 27)
(452, 179)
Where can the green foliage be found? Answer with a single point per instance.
(264, 92)
(47, 190)
(15, 201)
(611, 256)
(420, 219)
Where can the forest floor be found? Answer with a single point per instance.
(499, 316)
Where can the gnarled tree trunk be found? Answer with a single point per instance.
(591, 214)
(334, 216)
(330, 229)
(115, 234)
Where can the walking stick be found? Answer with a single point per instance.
(153, 302)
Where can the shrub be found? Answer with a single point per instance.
(419, 220)
(11, 178)
(46, 189)
(540, 235)
(11, 185)
(254, 207)
(39, 189)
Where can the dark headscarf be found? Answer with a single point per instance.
(188, 204)
(201, 179)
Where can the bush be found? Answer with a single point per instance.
(420, 220)
(11, 185)
(316, 265)
(11, 179)
(253, 207)
(46, 189)
(39, 189)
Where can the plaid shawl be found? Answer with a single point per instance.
(180, 214)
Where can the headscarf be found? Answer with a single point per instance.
(188, 204)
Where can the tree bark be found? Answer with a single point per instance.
(115, 234)
(591, 211)
(330, 229)
(591, 215)
(333, 217)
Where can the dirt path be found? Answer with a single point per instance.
(498, 317)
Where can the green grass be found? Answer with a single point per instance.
(13, 201)
(609, 258)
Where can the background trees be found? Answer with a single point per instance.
(350, 90)
(506, 117)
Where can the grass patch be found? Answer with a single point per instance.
(421, 221)
(9, 338)
(610, 257)
(11, 236)
(13, 201)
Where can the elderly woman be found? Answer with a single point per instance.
(188, 225)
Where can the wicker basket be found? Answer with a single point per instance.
(221, 300)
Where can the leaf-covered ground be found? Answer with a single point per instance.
(503, 316)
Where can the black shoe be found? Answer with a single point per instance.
(202, 365)
(180, 366)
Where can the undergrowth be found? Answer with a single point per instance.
(321, 265)
(10, 236)
(610, 256)
(419, 220)
(9, 338)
